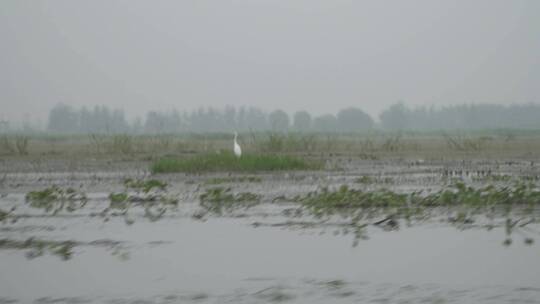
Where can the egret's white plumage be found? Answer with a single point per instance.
(237, 149)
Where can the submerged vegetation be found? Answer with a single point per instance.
(228, 162)
(37, 247)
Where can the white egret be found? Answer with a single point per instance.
(237, 149)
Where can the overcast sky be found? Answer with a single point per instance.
(291, 54)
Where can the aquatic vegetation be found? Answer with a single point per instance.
(385, 208)
(520, 193)
(228, 162)
(38, 247)
(63, 249)
(219, 199)
(347, 201)
(153, 209)
(457, 194)
(57, 199)
(4, 215)
(145, 185)
(118, 200)
(148, 194)
(274, 294)
(333, 284)
(238, 179)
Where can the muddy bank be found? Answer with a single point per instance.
(21, 175)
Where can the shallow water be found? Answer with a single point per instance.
(178, 259)
(258, 255)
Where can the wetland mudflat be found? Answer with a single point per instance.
(268, 250)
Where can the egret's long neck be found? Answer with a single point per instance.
(235, 137)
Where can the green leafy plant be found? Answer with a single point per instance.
(55, 199)
(151, 195)
(385, 208)
(219, 199)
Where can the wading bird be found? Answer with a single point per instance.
(237, 149)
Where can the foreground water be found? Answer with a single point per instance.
(226, 259)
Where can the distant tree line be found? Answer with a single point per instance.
(101, 119)
(66, 119)
(475, 116)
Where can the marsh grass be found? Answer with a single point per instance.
(122, 144)
(460, 142)
(17, 144)
(228, 162)
(370, 145)
(393, 144)
(96, 142)
(21, 142)
(112, 144)
(6, 145)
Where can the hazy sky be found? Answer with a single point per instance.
(290, 54)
